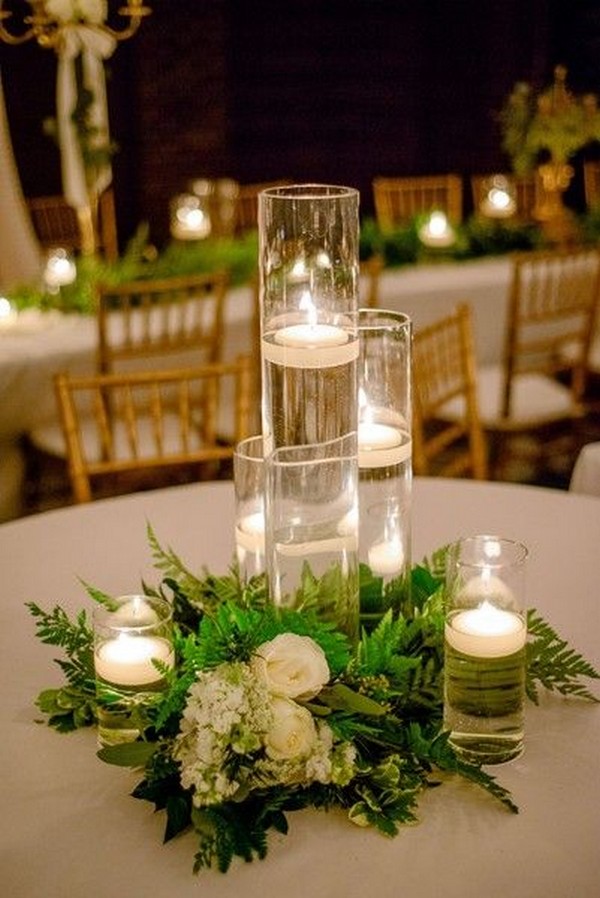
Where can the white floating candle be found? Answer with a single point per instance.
(135, 612)
(386, 557)
(486, 632)
(310, 346)
(127, 660)
(382, 444)
(250, 532)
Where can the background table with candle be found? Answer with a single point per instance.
(30, 356)
(70, 826)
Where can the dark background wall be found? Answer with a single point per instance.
(325, 90)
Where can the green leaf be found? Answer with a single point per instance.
(179, 816)
(342, 698)
(553, 665)
(128, 754)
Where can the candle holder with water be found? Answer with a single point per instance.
(485, 649)
(129, 637)
(385, 458)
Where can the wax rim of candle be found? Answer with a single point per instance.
(311, 356)
(382, 458)
(485, 644)
(108, 623)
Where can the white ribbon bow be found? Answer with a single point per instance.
(94, 46)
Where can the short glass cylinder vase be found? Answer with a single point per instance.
(249, 485)
(312, 531)
(385, 457)
(485, 648)
(128, 638)
(309, 277)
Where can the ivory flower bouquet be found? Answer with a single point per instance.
(269, 711)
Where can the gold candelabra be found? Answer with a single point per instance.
(47, 28)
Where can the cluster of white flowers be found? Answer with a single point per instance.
(92, 12)
(243, 727)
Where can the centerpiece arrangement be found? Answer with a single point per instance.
(317, 681)
(265, 713)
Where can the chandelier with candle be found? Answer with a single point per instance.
(49, 18)
(80, 34)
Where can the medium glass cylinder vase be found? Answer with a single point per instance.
(384, 453)
(308, 261)
(312, 531)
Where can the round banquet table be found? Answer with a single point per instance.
(70, 828)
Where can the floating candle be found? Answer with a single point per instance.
(386, 557)
(135, 612)
(310, 346)
(250, 532)
(486, 631)
(311, 335)
(381, 444)
(127, 660)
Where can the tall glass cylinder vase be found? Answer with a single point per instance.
(384, 453)
(308, 261)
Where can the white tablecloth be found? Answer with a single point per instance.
(69, 828)
(586, 472)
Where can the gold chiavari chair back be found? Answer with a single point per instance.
(444, 370)
(144, 422)
(398, 200)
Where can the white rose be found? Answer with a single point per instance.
(291, 665)
(293, 732)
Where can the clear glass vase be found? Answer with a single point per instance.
(309, 270)
(385, 453)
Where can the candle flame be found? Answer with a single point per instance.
(438, 224)
(307, 305)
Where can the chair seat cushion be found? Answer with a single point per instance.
(536, 400)
(50, 439)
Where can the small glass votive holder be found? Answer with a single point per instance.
(249, 485)
(312, 531)
(485, 648)
(128, 639)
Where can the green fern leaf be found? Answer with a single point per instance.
(553, 665)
